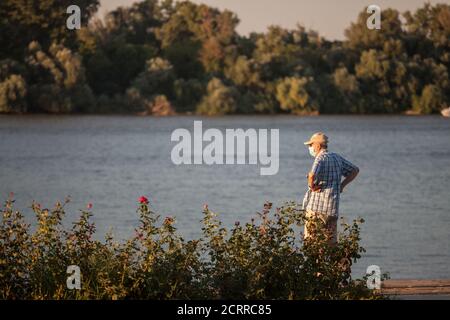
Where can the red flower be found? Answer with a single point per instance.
(143, 200)
(89, 206)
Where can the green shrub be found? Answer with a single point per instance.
(57, 81)
(13, 87)
(293, 95)
(265, 258)
(220, 99)
(431, 100)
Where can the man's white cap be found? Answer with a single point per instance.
(318, 137)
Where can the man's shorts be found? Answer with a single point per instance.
(330, 225)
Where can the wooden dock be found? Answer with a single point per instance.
(415, 288)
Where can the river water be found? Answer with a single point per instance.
(402, 191)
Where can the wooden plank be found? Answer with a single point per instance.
(416, 291)
(405, 283)
(415, 287)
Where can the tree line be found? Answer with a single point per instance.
(166, 57)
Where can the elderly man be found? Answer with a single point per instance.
(325, 185)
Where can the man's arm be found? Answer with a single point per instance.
(311, 184)
(349, 178)
(314, 173)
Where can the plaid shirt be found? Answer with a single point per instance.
(328, 169)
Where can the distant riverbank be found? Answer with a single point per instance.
(409, 113)
(178, 57)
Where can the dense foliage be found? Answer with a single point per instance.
(161, 57)
(265, 258)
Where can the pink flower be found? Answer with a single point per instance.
(268, 205)
(89, 206)
(168, 221)
(262, 230)
(205, 207)
(139, 234)
(143, 200)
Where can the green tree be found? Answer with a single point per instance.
(360, 37)
(198, 38)
(13, 87)
(187, 94)
(343, 93)
(152, 89)
(154, 56)
(112, 68)
(294, 96)
(156, 79)
(243, 72)
(219, 99)
(382, 81)
(430, 101)
(277, 53)
(115, 50)
(44, 21)
(428, 31)
(57, 80)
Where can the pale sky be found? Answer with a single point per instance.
(329, 17)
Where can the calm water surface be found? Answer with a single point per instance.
(402, 191)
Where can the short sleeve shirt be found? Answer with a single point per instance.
(328, 169)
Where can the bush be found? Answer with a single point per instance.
(157, 78)
(219, 100)
(188, 94)
(294, 96)
(263, 259)
(431, 100)
(12, 94)
(57, 82)
(13, 87)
